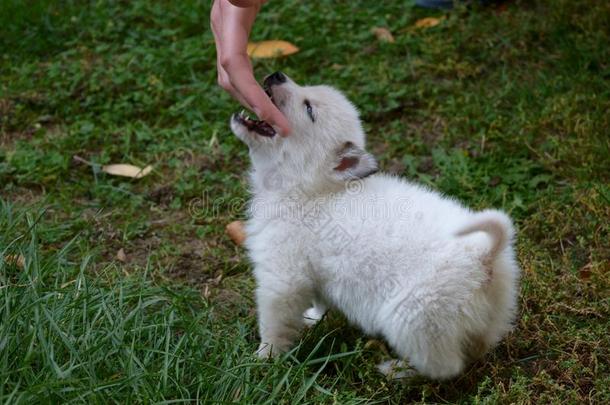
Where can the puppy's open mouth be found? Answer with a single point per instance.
(259, 126)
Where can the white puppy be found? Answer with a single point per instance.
(438, 281)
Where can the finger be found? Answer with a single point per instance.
(245, 83)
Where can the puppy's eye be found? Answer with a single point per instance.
(309, 110)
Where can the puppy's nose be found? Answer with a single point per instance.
(275, 78)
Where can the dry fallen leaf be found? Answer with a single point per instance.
(236, 232)
(383, 34)
(126, 170)
(427, 22)
(16, 260)
(206, 291)
(270, 49)
(121, 256)
(585, 272)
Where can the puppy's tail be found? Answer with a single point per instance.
(497, 225)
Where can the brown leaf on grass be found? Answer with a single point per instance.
(206, 291)
(585, 272)
(15, 260)
(427, 22)
(270, 49)
(383, 34)
(236, 232)
(126, 170)
(121, 256)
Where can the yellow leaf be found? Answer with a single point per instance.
(383, 34)
(236, 232)
(270, 49)
(126, 170)
(427, 22)
(16, 260)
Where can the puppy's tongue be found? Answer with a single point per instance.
(259, 126)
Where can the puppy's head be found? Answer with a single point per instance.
(325, 149)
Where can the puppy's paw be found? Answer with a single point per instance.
(264, 351)
(396, 369)
(268, 351)
(312, 316)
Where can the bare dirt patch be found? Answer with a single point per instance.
(174, 252)
(22, 196)
(8, 139)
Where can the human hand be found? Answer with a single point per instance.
(231, 24)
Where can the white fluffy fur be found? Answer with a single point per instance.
(438, 281)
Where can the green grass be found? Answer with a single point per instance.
(500, 106)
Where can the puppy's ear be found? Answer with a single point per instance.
(353, 163)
